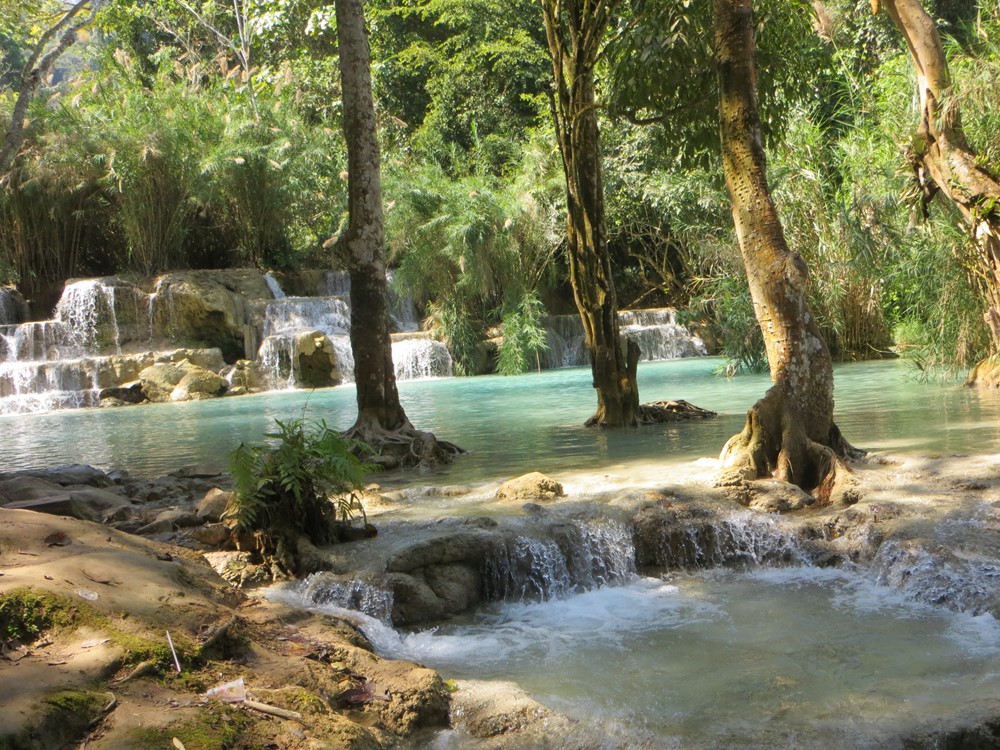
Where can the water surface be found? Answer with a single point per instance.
(512, 425)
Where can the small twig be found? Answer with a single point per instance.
(173, 651)
(275, 711)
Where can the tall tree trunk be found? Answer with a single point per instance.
(575, 31)
(43, 57)
(789, 434)
(942, 157)
(381, 421)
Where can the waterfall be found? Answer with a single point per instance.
(277, 360)
(329, 315)
(745, 539)
(327, 590)
(577, 557)
(415, 358)
(656, 331)
(274, 286)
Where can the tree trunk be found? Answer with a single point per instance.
(942, 157)
(789, 434)
(574, 30)
(381, 421)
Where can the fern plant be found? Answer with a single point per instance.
(287, 485)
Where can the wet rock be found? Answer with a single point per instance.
(180, 381)
(772, 496)
(21, 488)
(64, 475)
(214, 307)
(491, 709)
(90, 504)
(213, 504)
(530, 488)
(128, 393)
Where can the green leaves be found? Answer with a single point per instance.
(290, 482)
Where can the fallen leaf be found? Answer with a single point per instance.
(56, 663)
(94, 642)
(178, 744)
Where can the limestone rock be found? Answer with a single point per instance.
(87, 504)
(772, 496)
(18, 488)
(530, 488)
(213, 504)
(212, 534)
(180, 381)
(215, 308)
(13, 308)
(487, 709)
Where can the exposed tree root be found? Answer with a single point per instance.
(657, 412)
(404, 447)
(774, 445)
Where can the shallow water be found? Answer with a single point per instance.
(791, 657)
(515, 424)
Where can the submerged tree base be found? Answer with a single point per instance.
(774, 445)
(658, 412)
(401, 448)
(986, 374)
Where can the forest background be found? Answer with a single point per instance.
(178, 134)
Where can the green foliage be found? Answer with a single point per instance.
(474, 247)
(287, 484)
(523, 336)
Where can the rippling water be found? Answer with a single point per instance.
(516, 424)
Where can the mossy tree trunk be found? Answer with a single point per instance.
(381, 422)
(789, 434)
(575, 31)
(942, 158)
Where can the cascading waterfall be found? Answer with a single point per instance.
(328, 591)
(56, 364)
(656, 331)
(285, 317)
(576, 557)
(745, 539)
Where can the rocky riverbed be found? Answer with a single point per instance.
(96, 568)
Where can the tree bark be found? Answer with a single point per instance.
(574, 30)
(942, 157)
(38, 66)
(381, 422)
(789, 434)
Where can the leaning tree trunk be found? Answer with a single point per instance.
(574, 30)
(38, 66)
(789, 434)
(381, 422)
(942, 157)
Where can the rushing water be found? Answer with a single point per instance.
(515, 424)
(780, 658)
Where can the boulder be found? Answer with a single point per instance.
(215, 308)
(65, 475)
(18, 488)
(13, 308)
(180, 381)
(530, 488)
(213, 504)
(87, 504)
(129, 393)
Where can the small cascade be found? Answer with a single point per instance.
(415, 358)
(277, 361)
(327, 590)
(577, 557)
(337, 284)
(742, 540)
(329, 315)
(656, 331)
(403, 313)
(962, 583)
(274, 286)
